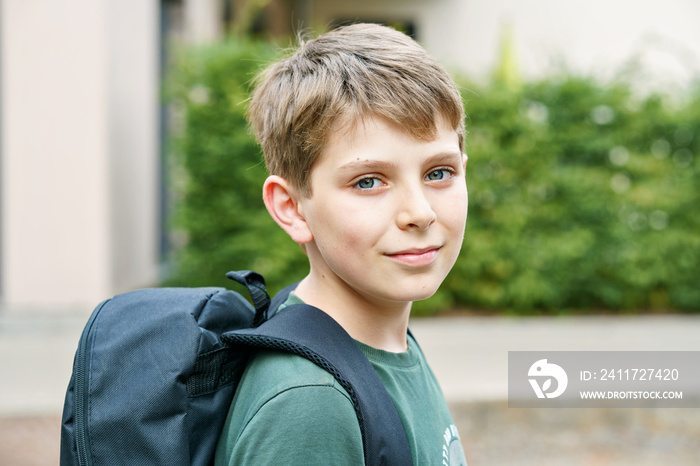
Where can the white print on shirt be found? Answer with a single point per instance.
(452, 452)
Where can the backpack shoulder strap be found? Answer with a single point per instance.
(311, 333)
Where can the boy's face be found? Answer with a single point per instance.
(387, 211)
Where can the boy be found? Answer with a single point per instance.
(363, 135)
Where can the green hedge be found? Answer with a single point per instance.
(583, 196)
(217, 174)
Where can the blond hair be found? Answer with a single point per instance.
(347, 75)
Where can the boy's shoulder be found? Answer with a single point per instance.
(270, 373)
(288, 407)
(273, 372)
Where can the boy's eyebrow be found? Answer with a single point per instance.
(369, 165)
(379, 165)
(446, 157)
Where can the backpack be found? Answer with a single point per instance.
(155, 372)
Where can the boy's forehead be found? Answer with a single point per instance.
(347, 135)
(347, 129)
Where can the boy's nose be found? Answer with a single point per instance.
(415, 211)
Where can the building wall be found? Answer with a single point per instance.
(133, 105)
(79, 150)
(597, 37)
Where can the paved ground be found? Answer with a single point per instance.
(468, 355)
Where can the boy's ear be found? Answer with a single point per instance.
(281, 200)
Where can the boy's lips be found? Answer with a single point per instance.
(415, 257)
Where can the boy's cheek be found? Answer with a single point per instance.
(458, 200)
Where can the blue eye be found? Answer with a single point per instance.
(437, 175)
(367, 183)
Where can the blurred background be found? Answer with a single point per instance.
(125, 162)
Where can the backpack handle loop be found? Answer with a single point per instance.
(255, 283)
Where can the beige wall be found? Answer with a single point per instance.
(597, 37)
(439, 23)
(203, 20)
(79, 150)
(133, 131)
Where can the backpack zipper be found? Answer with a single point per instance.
(81, 391)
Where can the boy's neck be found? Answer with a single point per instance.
(381, 325)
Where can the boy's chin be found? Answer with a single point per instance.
(416, 289)
(424, 296)
(414, 294)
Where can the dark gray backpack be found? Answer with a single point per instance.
(156, 369)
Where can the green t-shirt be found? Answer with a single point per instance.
(289, 411)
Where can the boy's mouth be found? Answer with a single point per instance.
(415, 257)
